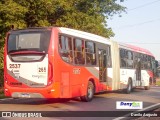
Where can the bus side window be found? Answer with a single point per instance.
(79, 51)
(142, 61)
(109, 62)
(123, 58)
(149, 63)
(90, 53)
(135, 59)
(65, 48)
(130, 59)
(145, 62)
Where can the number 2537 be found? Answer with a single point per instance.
(14, 65)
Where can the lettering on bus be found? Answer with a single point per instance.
(16, 83)
(15, 71)
(42, 69)
(76, 70)
(14, 65)
(39, 76)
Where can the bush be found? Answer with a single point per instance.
(1, 61)
(1, 78)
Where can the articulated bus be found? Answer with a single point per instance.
(58, 62)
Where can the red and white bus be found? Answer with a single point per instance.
(57, 62)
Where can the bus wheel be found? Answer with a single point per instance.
(150, 83)
(90, 93)
(147, 87)
(129, 87)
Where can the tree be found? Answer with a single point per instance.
(86, 15)
(11, 13)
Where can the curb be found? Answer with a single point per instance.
(6, 99)
(128, 116)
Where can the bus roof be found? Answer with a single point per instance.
(85, 35)
(136, 49)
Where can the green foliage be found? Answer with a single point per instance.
(1, 93)
(87, 15)
(11, 13)
(1, 62)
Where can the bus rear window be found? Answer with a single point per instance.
(29, 41)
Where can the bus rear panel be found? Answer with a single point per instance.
(27, 63)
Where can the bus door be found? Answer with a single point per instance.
(102, 65)
(138, 73)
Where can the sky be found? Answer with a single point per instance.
(140, 26)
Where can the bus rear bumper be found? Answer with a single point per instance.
(27, 95)
(52, 91)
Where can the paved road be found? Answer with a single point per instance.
(101, 102)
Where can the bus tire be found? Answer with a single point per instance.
(89, 94)
(147, 87)
(129, 87)
(150, 83)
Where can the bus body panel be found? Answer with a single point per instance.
(32, 74)
(125, 74)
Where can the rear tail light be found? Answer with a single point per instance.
(50, 73)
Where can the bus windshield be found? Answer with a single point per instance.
(29, 41)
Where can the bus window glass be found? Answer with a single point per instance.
(65, 48)
(130, 59)
(135, 59)
(90, 53)
(145, 62)
(142, 61)
(149, 63)
(29, 41)
(109, 62)
(12, 43)
(79, 51)
(123, 58)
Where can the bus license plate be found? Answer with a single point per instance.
(25, 95)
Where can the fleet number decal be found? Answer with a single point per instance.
(14, 65)
(41, 69)
(76, 70)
